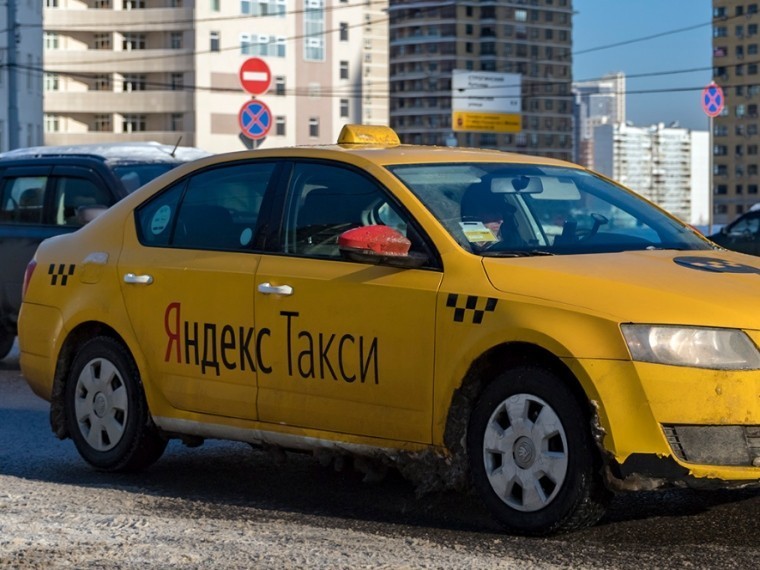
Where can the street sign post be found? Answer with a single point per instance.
(713, 100)
(255, 119)
(255, 76)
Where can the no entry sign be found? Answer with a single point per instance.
(255, 76)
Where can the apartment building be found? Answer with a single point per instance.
(735, 132)
(168, 70)
(597, 102)
(656, 162)
(429, 40)
(20, 74)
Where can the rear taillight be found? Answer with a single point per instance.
(28, 276)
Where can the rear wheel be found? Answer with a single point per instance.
(531, 454)
(106, 412)
(6, 342)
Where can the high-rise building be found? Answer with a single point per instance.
(654, 161)
(597, 102)
(20, 74)
(735, 135)
(429, 40)
(167, 70)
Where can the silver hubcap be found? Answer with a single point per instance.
(100, 404)
(525, 452)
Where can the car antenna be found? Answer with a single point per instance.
(179, 140)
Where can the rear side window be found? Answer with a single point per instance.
(217, 209)
(23, 200)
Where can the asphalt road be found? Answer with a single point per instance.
(234, 484)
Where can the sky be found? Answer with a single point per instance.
(599, 23)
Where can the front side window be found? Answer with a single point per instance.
(216, 209)
(326, 201)
(514, 210)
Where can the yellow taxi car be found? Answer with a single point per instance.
(513, 324)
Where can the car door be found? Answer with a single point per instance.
(348, 346)
(187, 270)
(744, 234)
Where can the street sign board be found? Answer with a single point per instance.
(486, 101)
(255, 76)
(713, 100)
(255, 119)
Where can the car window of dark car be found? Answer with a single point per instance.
(23, 199)
(74, 193)
(743, 226)
(218, 209)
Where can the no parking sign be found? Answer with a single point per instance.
(255, 119)
(713, 100)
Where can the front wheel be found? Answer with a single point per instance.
(531, 454)
(106, 412)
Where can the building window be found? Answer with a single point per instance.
(176, 81)
(133, 123)
(279, 126)
(215, 5)
(51, 3)
(133, 82)
(132, 41)
(52, 123)
(314, 127)
(102, 82)
(52, 40)
(344, 69)
(214, 41)
(175, 40)
(344, 108)
(176, 122)
(52, 82)
(262, 45)
(314, 28)
(102, 124)
(102, 41)
(263, 7)
(133, 4)
(344, 31)
(279, 85)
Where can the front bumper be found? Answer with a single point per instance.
(676, 423)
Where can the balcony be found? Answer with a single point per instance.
(147, 20)
(109, 61)
(63, 103)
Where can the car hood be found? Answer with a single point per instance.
(708, 288)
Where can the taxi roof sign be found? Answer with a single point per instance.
(368, 134)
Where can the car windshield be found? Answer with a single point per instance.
(516, 210)
(134, 175)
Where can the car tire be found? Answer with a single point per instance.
(531, 454)
(6, 342)
(107, 415)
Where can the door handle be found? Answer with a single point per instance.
(269, 289)
(138, 279)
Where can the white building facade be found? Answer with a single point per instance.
(168, 70)
(597, 102)
(20, 74)
(656, 162)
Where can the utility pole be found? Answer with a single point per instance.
(13, 39)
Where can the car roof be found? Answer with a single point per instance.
(112, 152)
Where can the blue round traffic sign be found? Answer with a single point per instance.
(255, 119)
(713, 100)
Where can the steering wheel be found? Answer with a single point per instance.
(585, 234)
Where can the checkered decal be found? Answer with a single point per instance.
(464, 305)
(62, 271)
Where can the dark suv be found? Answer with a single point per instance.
(46, 191)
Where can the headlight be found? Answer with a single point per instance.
(721, 349)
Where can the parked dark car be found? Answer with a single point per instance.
(743, 234)
(46, 191)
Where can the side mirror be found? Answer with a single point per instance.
(379, 245)
(86, 214)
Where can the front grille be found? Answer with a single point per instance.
(715, 445)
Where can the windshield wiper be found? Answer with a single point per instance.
(516, 253)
